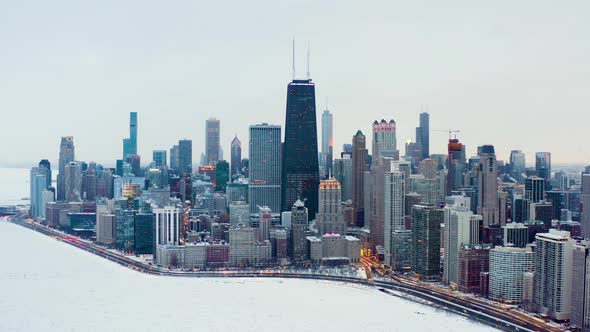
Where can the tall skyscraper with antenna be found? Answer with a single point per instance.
(301, 176)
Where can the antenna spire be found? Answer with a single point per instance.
(308, 72)
(293, 58)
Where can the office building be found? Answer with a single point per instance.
(73, 182)
(38, 189)
(507, 267)
(515, 235)
(185, 157)
(426, 220)
(359, 167)
(534, 189)
(423, 135)
(160, 158)
(517, 165)
(236, 157)
(553, 274)
(543, 165)
(342, 171)
(265, 167)
(168, 225)
(66, 155)
(174, 158)
(487, 180)
(212, 147)
(45, 165)
(300, 176)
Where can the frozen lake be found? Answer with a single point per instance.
(46, 285)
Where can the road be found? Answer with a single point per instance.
(485, 312)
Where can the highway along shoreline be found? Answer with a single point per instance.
(476, 310)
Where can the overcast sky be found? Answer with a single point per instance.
(515, 74)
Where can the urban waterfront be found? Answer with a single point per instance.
(70, 290)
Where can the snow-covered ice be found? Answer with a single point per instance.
(46, 285)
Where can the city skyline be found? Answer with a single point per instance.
(501, 70)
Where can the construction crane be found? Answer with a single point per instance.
(450, 131)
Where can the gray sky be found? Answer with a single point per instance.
(515, 74)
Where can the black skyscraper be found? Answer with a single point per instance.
(301, 176)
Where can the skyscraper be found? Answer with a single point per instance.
(185, 157)
(265, 167)
(543, 165)
(46, 165)
(236, 156)
(73, 182)
(130, 144)
(38, 188)
(327, 142)
(487, 182)
(423, 134)
(534, 189)
(517, 165)
(330, 218)
(426, 220)
(507, 268)
(393, 202)
(174, 158)
(455, 165)
(160, 157)
(585, 220)
(300, 176)
(581, 286)
(461, 229)
(212, 147)
(384, 139)
(553, 274)
(66, 155)
(299, 225)
(168, 223)
(359, 167)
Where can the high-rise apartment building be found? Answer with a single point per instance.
(507, 267)
(585, 198)
(299, 226)
(359, 167)
(130, 144)
(327, 152)
(330, 218)
(580, 316)
(515, 235)
(384, 139)
(300, 178)
(461, 228)
(38, 190)
(393, 195)
(455, 165)
(426, 220)
(265, 167)
(45, 165)
(553, 274)
(212, 147)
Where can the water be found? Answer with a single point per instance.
(14, 186)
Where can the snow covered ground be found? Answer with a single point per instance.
(46, 285)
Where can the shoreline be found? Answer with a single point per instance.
(472, 308)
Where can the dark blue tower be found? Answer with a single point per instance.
(301, 176)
